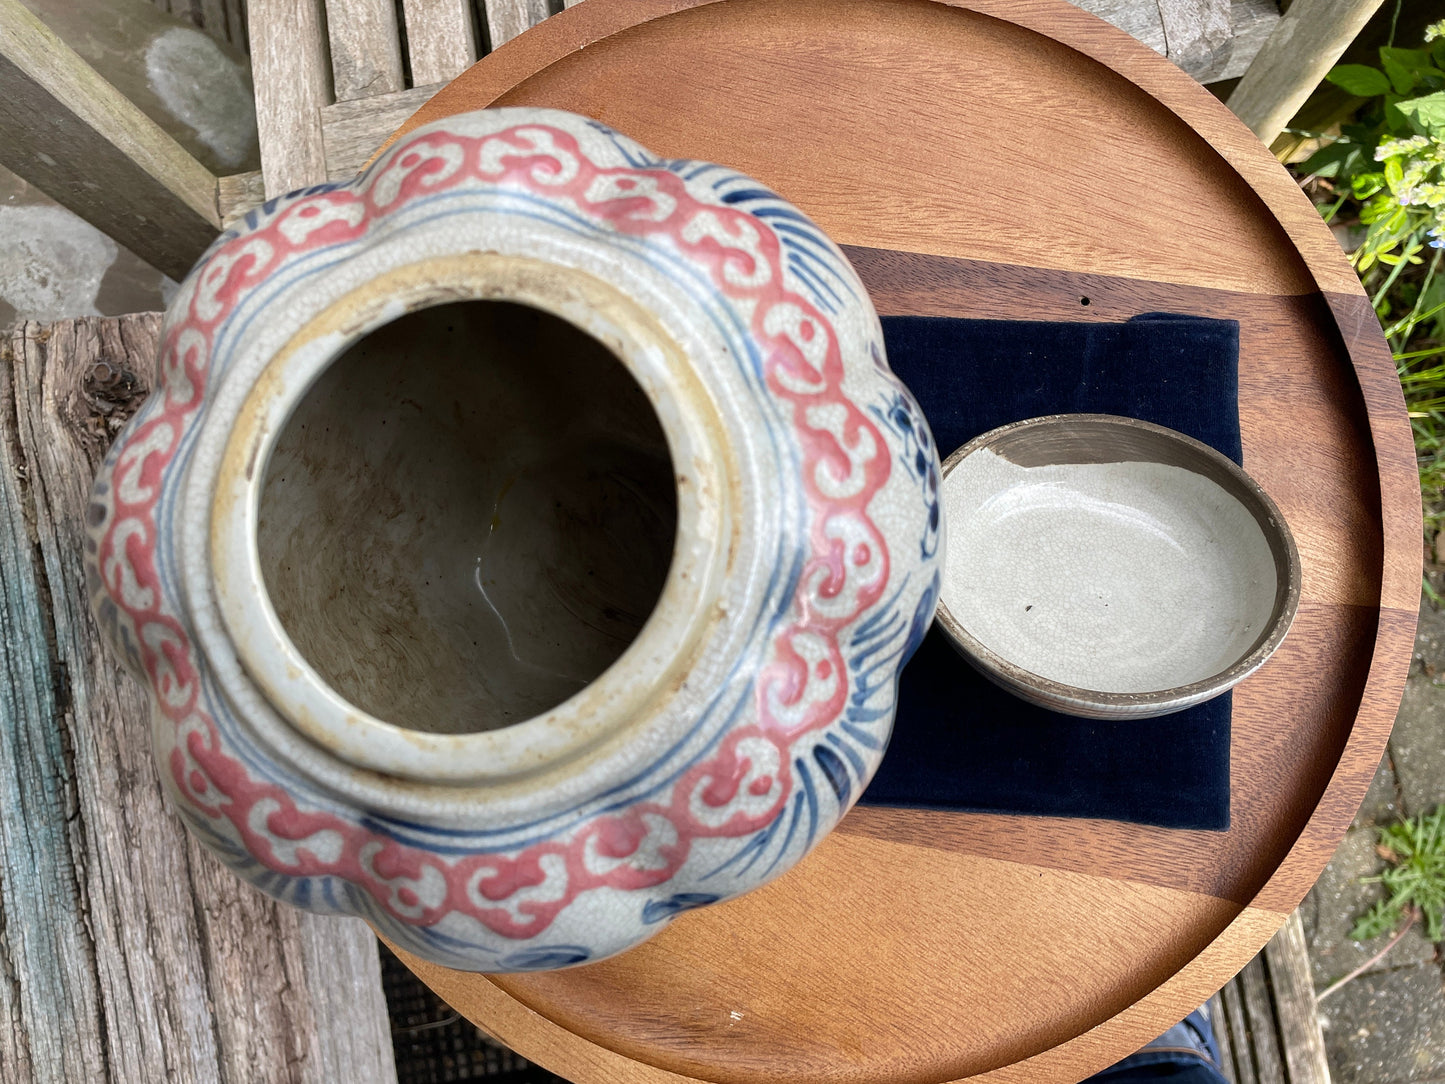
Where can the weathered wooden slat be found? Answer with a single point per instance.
(51, 1027)
(1220, 1024)
(1209, 39)
(72, 135)
(143, 959)
(1197, 35)
(1264, 1041)
(1294, 1003)
(1141, 21)
(238, 193)
(293, 81)
(1298, 53)
(1251, 22)
(508, 18)
(440, 40)
(365, 48)
(354, 130)
(1235, 1020)
(340, 957)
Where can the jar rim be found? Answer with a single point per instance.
(632, 688)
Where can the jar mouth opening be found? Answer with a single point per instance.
(459, 532)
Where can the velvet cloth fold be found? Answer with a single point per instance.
(960, 742)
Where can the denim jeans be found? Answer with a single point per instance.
(1185, 1054)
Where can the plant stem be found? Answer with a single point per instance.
(1371, 962)
(1409, 323)
(1405, 253)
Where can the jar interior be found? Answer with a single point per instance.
(468, 518)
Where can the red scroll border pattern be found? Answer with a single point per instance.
(804, 684)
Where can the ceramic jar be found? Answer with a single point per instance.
(522, 544)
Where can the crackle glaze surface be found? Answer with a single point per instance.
(1122, 577)
(755, 703)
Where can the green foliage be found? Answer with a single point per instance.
(1415, 881)
(1360, 80)
(1393, 161)
(1386, 171)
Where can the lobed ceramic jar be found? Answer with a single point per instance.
(522, 544)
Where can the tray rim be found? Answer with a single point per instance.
(538, 1038)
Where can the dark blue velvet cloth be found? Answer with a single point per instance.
(959, 742)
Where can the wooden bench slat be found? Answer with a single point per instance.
(440, 39)
(1197, 34)
(76, 138)
(354, 130)
(1304, 45)
(1294, 1003)
(365, 48)
(290, 71)
(136, 956)
(508, 18)
(1234, 1020)
(238, 193)
(1220, 1023)
(48, 996)
(1264, 1041)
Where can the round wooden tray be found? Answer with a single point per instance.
(1019, 159)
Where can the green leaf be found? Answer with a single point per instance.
(1335, 160)
(1404, 67)
(1394, 173)
(1415, 848)
(1427, 114)
(1365, 185)
(1360, 80)
(1380, 919)
(1395, 121)
(1402, 79)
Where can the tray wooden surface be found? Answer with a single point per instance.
(1020, 159)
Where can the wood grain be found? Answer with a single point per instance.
(440, 40)
(293, 82)
(1222, 1038)
(72, 135)
(1238, 1024)
(1292, 359)
(365, 48)
(990, 189)
(238, 193)
(1083, 135)
(508, 18)
(1252, 22)
(129, 953)
(596, 59)
(354, 130)
(1308, 41)
(1143, 22)
(1198, 36)
(1293, 990)
(1258, 1013)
